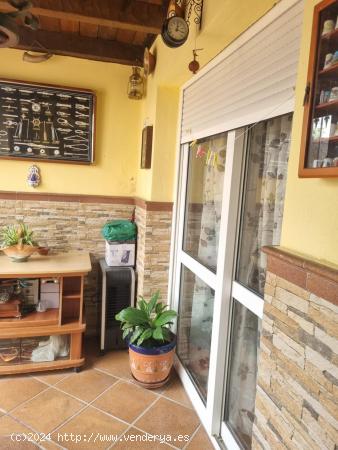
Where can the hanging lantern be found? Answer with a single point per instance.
(135, 84)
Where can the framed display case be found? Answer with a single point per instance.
(319, 146)
(46, 123)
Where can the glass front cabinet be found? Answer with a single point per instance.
(319, 147)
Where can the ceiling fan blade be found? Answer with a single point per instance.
(9, 36)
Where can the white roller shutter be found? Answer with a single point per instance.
(253, 79)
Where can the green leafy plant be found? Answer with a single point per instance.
(148, 324)
(16, 235)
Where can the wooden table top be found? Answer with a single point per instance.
(51, 265)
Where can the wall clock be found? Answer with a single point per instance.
(175, 31)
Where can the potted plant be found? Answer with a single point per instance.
(151, 343)
(17, 242)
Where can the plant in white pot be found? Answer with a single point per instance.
(151, 343)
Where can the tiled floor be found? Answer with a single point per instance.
(99, 404)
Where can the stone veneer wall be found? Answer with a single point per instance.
(74, 224)
(297, 385)
(153, 253)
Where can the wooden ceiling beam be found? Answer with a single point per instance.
(70, 44)
(138, 16)
(154, 2)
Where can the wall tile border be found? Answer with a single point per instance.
(314, 276)
(83, 198)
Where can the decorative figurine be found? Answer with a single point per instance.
(33, 178)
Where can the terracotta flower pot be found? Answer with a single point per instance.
(151, 366)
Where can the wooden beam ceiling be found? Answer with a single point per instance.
(104, 30)
(141, 16)
(70, 44)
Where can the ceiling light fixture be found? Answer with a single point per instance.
(9, 29)
(40, 57)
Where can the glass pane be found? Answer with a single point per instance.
(204, 199)
(33, 349)
(241, 392)
(194, 328)
(323, 136)
(264, 191)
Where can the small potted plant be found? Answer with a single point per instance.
(17, 242)
(151, 343)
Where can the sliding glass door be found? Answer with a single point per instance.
(197, 266)
(210, 173)
(230, 204)
(260, 224)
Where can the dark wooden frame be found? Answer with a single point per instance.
(147, 146)
(63, 88)
(303, 171)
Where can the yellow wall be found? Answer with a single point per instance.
(117, 132)
(165, 143)
(310, 225)
(119, 120)
(223, 21)
(311, 215)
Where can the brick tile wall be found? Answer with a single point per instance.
(154, 233)
(297, 392)
(70, 226)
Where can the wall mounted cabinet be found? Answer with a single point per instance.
(319, 146)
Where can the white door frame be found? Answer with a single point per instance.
(222, 282)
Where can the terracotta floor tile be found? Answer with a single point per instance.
(50, 445)
(200, 441)
(87, 385)
(125, 401)
(116, 363)
(103, 427)
(135, 440)
(53, 377)
(167, 417)
(8, 426)
(175, 391)
(48, 410)
(17, 390)
(8, 444)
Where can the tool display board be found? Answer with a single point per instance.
(46, 123)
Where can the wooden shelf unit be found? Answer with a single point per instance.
(67, 319)
(327, 105)
(329, 71)
(34, 319)
(320, 81)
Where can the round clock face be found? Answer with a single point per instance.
(178, 28)
(175, 31)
